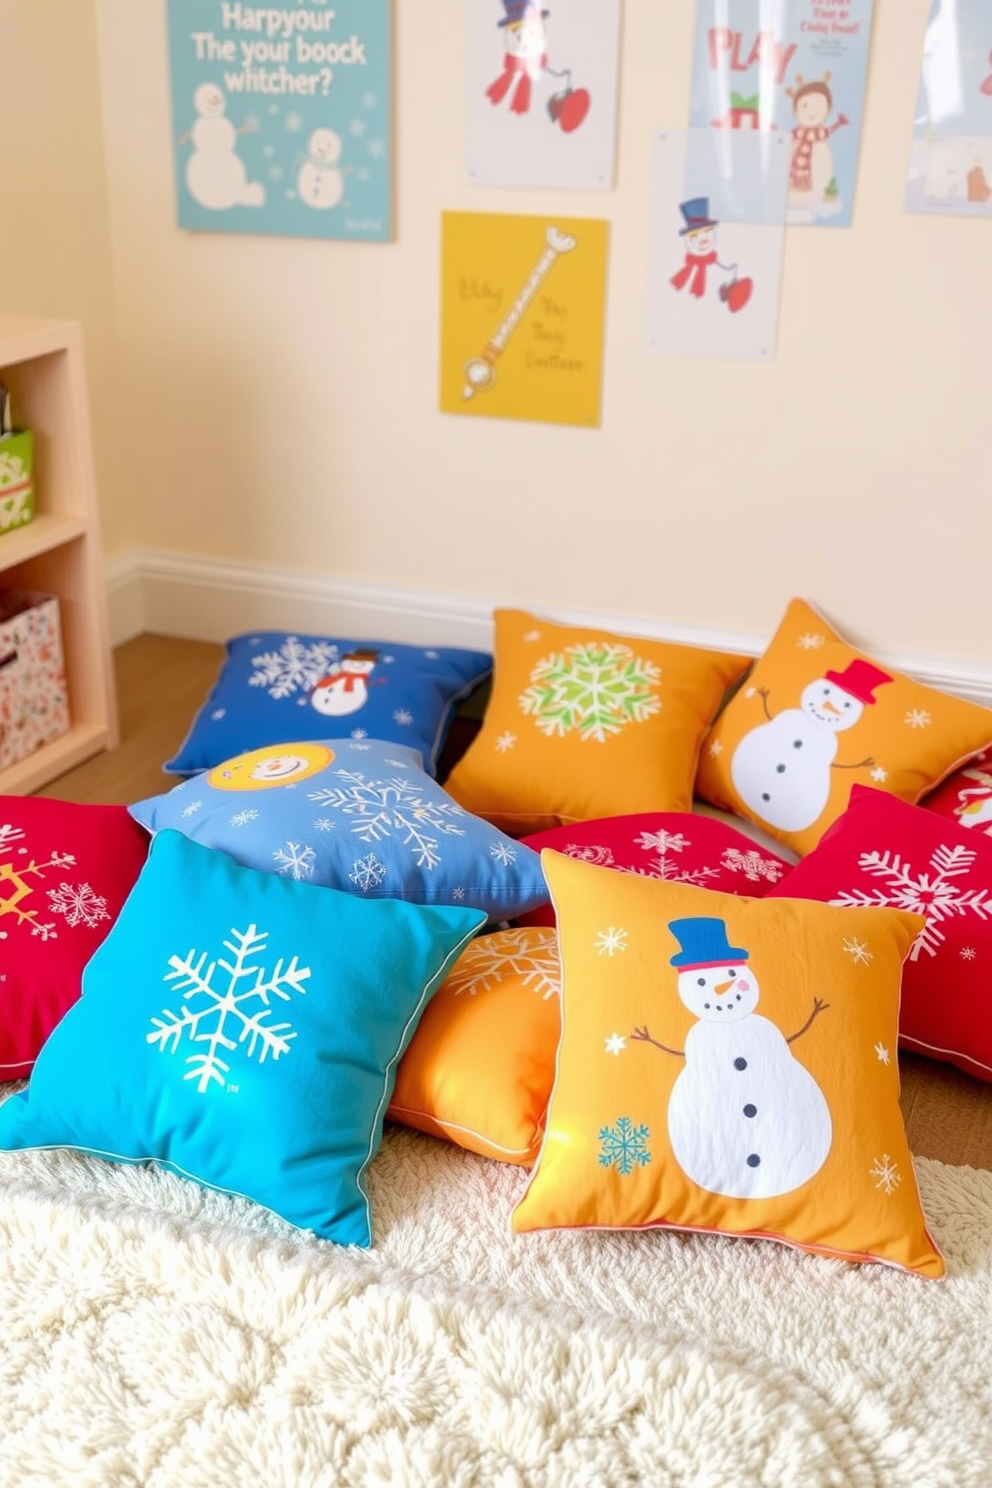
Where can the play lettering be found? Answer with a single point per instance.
(727, 45)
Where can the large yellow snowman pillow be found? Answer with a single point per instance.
(728, 1065)
(817, 717)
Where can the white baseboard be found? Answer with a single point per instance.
(207, 599)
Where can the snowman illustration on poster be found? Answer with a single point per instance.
(745, 1118)
(950, 168)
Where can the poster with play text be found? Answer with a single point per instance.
(950, 169)
(281, 117)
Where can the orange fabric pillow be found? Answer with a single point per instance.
(818, 717)
(480, 1066)
(728, 1065)
(582, 723)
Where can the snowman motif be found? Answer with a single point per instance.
(745, 1118)
(215, 173)
(781, 769)
(345, 688)
(811, 165)
(974, 807)
(261, 769)
(319, 183)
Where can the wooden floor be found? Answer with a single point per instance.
(163, 681)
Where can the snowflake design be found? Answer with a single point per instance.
(369, 100)
(324, 824)
(531, 955)
(245, 1000)
(932, 894)
(502, 853)
(295, 860)
(458, 893)
(382, 808)
(670, 842)
(879, 774)
(505, 741)
(593, 689)
(882, 1053)
(295, 667)
(403, 717)
(918, 718)
(533, 635)
(610, 940)
(193, 808)
(432, 655)
(79, 904)
(886, 1173)
(17, 877)
(624, 1146)
(218, 714)
(601, 855)
(857, 950)
(811, 641)
(967, 953)
(294, 122)
(377, 148)
(276, 172)
(615, 1044)
(716, 749)
(750, 692)
(242, 818)
(359, 733)
(9, 835)
(663, 842)
(751, 864)
(367, 873)
(357, 127)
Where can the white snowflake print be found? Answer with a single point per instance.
(384, 808)
(458, 893)
(357, 127)
(715, 749)
(367, 873)
(377, 148)
(242, 818)
(750, 692)
(295, 667)
(431, 655)
(193, 808)
(931, 894)
(369, 100)
(533, 635)
(594, 689)
(218, 714)
(359, 733)
(17, 877)
(886, 1173)
(531, 955)
(603, 856)
(615, 1044)
(882, 1053)
(295, 860)
(811, 641)
(387, 660)
(505, 741)
(502, 853)
(9, 835)
(624, 1146)
(663, 842)
(967, 953)
(879, 774)
(857, 950)
(608, 941)
(294, 122)
(245, 1000)
(79, 904)
(670, 842)
(918, 718)
(403, 717)
(751, 864)
(324, 824)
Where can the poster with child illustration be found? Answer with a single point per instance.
(281, 117)
(950, 168)
(796, 69)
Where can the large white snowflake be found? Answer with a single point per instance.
(593, 689)
(931, 894)
(210, 1016)
(397, 807)
(79, 904)
(295, 667)
(531, 955)
(367, 873)
(296, 860)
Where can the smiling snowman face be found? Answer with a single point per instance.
(719, 994)
(324, 147)
(209, 101)
(528, 39)
(261, 769)
(831, 705)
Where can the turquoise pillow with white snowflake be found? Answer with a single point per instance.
(355, 814)
(274, 687)
(243, 1030)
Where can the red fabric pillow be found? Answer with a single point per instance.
(967, 795)
(677, 845)
(886, 851)
(65, 871)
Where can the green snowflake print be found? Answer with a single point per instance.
(593, 689)
(624, 1146)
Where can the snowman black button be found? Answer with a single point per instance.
(797, 743)
(750, 1110)
(780, 769)
(753, 1160)
(740, 1063)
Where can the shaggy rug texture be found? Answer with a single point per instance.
(154, 1335)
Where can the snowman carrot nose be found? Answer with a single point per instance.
(722, 987)
(832, 706)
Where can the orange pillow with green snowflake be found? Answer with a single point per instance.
(728, 1065)
(818, 717)
(582, 723)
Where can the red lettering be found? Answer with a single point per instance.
(720, 39)
(722, 42)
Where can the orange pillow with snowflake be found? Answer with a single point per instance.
(728, 1065)
(582, 723)
(818, 717)
(479, 1068)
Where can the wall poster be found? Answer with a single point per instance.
(950, 168)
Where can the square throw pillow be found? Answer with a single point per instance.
(583, 724)
(275, 687)
(683, 846)
(242, 1030)
(480, 1065)
(728, 1065)
(65, 871)
(966, 796)
(885, 851)
(818, 717)
(356, 815)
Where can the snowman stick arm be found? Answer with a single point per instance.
(861, 764)
(819, 1006)
(763, 694)
(645, 1038)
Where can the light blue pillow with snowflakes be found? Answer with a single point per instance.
(275, 687)
(356, 814)
(242, 1029)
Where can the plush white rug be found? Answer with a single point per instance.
(153, 1335)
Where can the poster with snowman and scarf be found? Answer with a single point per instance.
(950, 168)
(796, 70)
(281, 117)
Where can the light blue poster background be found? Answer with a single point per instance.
(281, 116)
(792, 67)
(950, 166)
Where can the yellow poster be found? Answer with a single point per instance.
(522, 302)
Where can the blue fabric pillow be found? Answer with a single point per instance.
(358, 815)
(274, 687)
(243, 1030)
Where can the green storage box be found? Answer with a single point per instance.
(16, 484)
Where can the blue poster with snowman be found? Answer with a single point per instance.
(282, 116)
(950, 168)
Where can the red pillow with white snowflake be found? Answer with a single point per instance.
(65, 871)
(677, 845)
(967, 795)
(883, 851)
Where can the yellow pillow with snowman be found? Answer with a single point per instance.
(817, 717)
(729, 1065)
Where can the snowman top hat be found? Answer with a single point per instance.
(703, 941)
(696, 212)
(362, 653)
(521, 10)
(859, 678)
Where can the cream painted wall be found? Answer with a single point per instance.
(280, 396)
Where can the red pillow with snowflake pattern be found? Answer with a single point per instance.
(65, 871)
(677, 845)
(883, 851)
(967, 795)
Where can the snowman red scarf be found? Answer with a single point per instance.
(694, 269)
(498, 90)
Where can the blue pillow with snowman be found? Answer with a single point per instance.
(275, 687)
(358, 815)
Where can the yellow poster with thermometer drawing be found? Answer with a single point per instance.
(522, 303)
